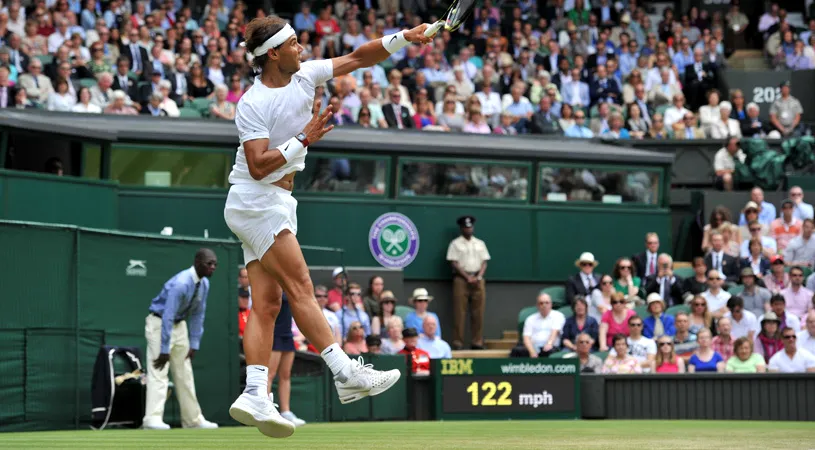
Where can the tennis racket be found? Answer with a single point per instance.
(455, 17)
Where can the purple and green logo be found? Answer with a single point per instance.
(394, 240)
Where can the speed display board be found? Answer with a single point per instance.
(516, 388)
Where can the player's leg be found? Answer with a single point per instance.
(157, 379)
(286, 262)
(254, 407)
(285, 361)
(274, 363)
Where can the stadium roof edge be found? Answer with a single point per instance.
(170, 131)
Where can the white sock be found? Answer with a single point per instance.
(337, 361)
(257, 379)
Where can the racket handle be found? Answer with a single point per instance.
(433, 29)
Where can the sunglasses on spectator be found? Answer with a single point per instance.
(355, 328)
(798, 194)
(714, 278)
(699, 304)
(355, 293)
(755, 229)
(321, 295)
(586, 264)
(625, 267)
(584, 342)
(544, 303)
(669, 344)
(790, 337)
(606, 283)
(618, 302)
(635, 325)
(364, 114)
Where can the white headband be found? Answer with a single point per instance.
(278, 38)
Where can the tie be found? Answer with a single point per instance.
(651, 267)
(36, 81)
(397, 112)
(659, 330)
(718, 262)
(183, 315)
(105, 94)
(136, 57)
(662, 291)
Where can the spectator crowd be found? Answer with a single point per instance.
(570, 68)
(748, 305)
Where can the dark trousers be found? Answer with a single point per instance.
(473, 296)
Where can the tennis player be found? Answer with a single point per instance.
(276, 125)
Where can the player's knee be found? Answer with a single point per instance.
(299, 287)
(268, 308)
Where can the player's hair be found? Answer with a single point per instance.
(257, 32)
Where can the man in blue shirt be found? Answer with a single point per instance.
(182, 300)
(352, 311)
(766, 213)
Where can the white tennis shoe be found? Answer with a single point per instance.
(261, 412)
(365, 381)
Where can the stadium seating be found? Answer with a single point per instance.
(674, 310)
(558, 294)
(736, 289)
(403, 311)
(566, 311)
(684, 272)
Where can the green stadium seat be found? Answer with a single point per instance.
(736, 289)
(662, 109)
(807, 271)
(560, 354)
(87, 82)
(133, 76)
(641, 311)
(403, 311)
(674, 310)
(601, 355)
(190, 113)
(566, 311)
(558, 294)
(684, 272)
(46, 59)
(201, 104)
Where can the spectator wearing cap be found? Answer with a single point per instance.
(352, 311)
(657, 324)
(803, 210)
(541, 331)
(335, 295)
(768, 340)
(750, 214)
(321, 295)
(419, 359)
(743, 323)
(722, 343)
(768, 244)
(385, 310)
(374, 344)
(766, 210)
(798, 297)
(420, 301)
(725, 265)
(431, 343)
(756, 298)
(580, 322)
(786, 227)
(468, 257)
(778, 305)
(791, 359)
(724, 163)
(584, 281)
(778, 279)
(785, 113)
(664, 283)
(715, 296)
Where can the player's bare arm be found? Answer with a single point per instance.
(376, 51)
(263, 160)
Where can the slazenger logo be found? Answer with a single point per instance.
(136, 268)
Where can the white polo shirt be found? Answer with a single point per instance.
(716, 302)
(748, 323)
(806, 342)
(799, 363)
(540, 328)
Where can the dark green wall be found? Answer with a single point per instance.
(51, 199)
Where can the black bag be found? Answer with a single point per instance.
(117, 398)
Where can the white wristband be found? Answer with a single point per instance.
(394, 42)
(291, 149)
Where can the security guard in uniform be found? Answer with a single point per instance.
(468, 257)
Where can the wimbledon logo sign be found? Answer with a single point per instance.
(393, 240)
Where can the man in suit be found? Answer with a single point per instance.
(600, 57)
(552, 62)
(687, 129)
(664, 282)
(136, 55)
(604, 89)
(102, 93)
(36, 85)
(576, 92)
(17, 57)
(606, 13)
(146, 90)
(642, 101)
(645, 263)
(584, 281)
(233, 37)
(397, 115)
(545, 121)
(121, 80)
(700, 77)
(717, 259)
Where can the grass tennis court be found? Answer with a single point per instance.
(447, 435)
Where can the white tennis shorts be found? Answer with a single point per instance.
(257, 213)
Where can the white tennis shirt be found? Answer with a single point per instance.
(278, 114)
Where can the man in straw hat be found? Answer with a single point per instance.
(420, 300)
(584, 281)
(468, 257)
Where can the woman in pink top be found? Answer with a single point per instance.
(614, 321)
(666, 360)
(475, 122)
(355, 340)
(236, 89)
(621, 362)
